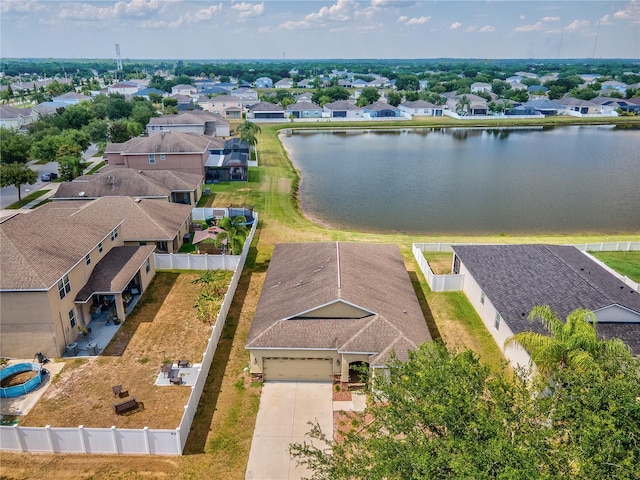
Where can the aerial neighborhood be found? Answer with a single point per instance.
(165, 291)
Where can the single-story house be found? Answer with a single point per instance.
(381, 109)
(343, 109)
(148, 91)
(421, 108)
(263, 82)
(304, 110)
(56, 265)
(329, 307)
(480, 87)
(580, 107)
(265, 111)
(181, 152)
(505, 282)
(167, 185)
(284, 83)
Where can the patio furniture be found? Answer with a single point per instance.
(183, 363)
(166, 369)
(119, 392)
(175, 380)
(127, 405)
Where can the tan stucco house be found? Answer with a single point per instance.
(328, 307)
(57, 265)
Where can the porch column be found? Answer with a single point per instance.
(119, 306)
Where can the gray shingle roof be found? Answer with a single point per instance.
(193, 117)
(129, 182)
(518, 277)
(265, 107)
(296, 107)
(166, 142)
(341, 105)
(304, 277)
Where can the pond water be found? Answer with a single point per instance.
(472, 181)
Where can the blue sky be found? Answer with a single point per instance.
(275, 29)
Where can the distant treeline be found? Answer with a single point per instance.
(249, 70)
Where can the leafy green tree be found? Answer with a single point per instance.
(170, 102)
(17, 174)
(70, 167)
(14, 146)
(249, 132)
(98, 130)
(335, 93)
(573, 343)
(118, 107)
(368, 96)
(155, 98)
(118, 132)
(235, 233)
(439, 415)
(394, 98)
(411, 96)
(408, 82)
(46, 149)
(77, 116)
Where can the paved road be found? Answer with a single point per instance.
(9, 195)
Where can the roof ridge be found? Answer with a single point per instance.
(374, 319)
(150, 217)
(18, 252)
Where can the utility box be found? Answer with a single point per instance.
(72, 349)
(92, 348)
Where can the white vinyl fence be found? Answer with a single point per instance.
(129, 441)
(445, 283)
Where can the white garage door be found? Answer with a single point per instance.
(298, 369)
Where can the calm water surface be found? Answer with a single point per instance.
(472, 181)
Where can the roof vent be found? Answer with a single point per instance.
(137, 199)
(81, 194)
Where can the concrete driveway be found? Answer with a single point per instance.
(285, 409)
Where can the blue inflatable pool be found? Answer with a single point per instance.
(28, 386)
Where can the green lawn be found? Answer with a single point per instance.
(27, 199)
(625, 263)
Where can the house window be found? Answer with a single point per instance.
(152, 158)
(482, 298)
(64, 286)
(72, 317)
(497, 322)
(114, 234)
(88, 259)
(100, 247)
(147, 265)
(163, 156)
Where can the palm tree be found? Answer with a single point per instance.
(248, 131)
(573, 343)
(235, 232)
(463, 105)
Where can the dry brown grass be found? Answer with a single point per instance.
(164, 326)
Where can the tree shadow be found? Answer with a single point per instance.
(424, 306)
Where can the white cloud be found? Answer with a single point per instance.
(341, 11)
(121, 10)
(204, 14)
(455, 25)
(22, 6)
(606, 20)
(522, 17)
(577, 25)
(485, 29)
(631, 13)
(414, 20)
(249, 9)
(536, 27)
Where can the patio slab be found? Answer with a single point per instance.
(189, 376)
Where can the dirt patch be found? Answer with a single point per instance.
(341, 395)
(163, 327)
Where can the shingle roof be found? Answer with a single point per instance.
(144, 220)
(166, 142)
(129, 182)
(378, 106)
(39, 247)
(304, 277)
(115, 270)
(341, 105)
(265, 107)
(303, 105)
(518, 277)
(418, 104)
(192, 117)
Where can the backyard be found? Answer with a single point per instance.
(163, 327)
(220, 439)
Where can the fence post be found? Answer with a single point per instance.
(179, 440)
(16, 429)
(147, 447)
(114, 438)
(83, 442)
(47, 433)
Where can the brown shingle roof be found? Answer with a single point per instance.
(144, 220)
(115, 270)
(38, 248)
(304, 277)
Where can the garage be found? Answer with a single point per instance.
(298, 369)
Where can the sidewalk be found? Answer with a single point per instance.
(52, 187)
